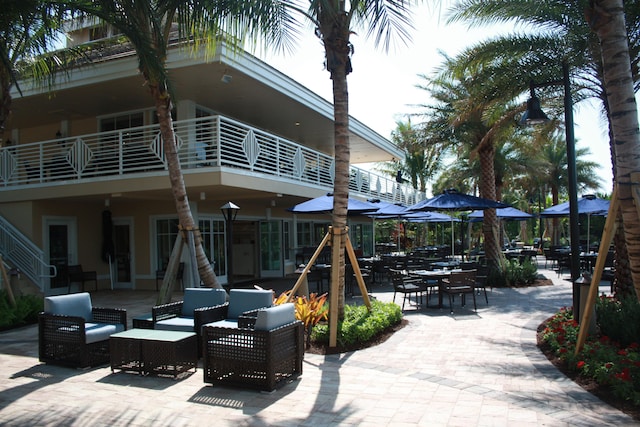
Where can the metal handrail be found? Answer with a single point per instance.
(24, 255)
(213, 141)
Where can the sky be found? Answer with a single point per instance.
(382, 86)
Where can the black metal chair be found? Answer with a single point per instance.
(460, 283)
(76, 274)
(407, 285)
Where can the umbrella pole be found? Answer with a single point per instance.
(453, 243)
(588, 231)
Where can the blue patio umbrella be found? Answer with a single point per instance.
(588, 205)
(509, 213)
(452, 200)
(386, 209)
(324, 204)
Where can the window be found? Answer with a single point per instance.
(286, 233)
(362, 238)
(311, 233)
(124, 121)
(304, 234)
(166, 233)
(213, 242)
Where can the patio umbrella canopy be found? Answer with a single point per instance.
(324, 204)
(387, 210)
(509, 214)
(587, 205)
(452, 200)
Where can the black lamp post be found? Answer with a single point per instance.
(229, 211)
(535, 115)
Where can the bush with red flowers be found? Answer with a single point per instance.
(611, 360)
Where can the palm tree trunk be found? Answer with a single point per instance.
(341, 180)
(5, 104)
(185, 217)
(492, 247)
(606, 18)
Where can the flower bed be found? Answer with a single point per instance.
(605, 366)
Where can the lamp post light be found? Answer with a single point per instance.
(535, 115)
(229, 211)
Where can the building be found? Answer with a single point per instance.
(246, 134)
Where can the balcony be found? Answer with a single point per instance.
(210, 142)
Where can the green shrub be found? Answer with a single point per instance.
(619, 319)
(513, 273)
(360, 325)
(25, 312)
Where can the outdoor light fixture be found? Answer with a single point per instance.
(535, 115)
(226, 78)
(229, 211)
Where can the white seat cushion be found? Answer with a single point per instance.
(183, 324)
(274, 317)
(95, 332)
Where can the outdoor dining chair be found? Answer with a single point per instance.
(460, 283)
(407, 285)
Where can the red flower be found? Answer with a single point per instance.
(624, 375)
(563, 350)
(580, 364)
(608, 365)
(622, 352)
(634, 345)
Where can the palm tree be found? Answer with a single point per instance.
(546, 161)
(422, 159)
(472, 115)
(27, 30)
(566, 31)
(334, 23)
(148, 24)
(606, 18)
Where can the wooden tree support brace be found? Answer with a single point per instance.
(609, 231)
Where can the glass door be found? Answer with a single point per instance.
(61, 246)
(271, 257)
(122, 270)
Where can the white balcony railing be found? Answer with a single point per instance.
(213, 141)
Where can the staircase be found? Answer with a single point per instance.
(23, 255)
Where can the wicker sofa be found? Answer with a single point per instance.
(264, 351)
(71, 332)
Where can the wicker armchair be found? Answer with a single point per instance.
(71, 332)
(197, 308)
(264, 352)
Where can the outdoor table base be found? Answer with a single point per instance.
(149, 351)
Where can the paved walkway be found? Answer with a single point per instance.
(441, 370)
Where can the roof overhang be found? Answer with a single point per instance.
(256, 94)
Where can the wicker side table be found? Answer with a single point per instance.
(150, 351)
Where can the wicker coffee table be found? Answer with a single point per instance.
(149, 351)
